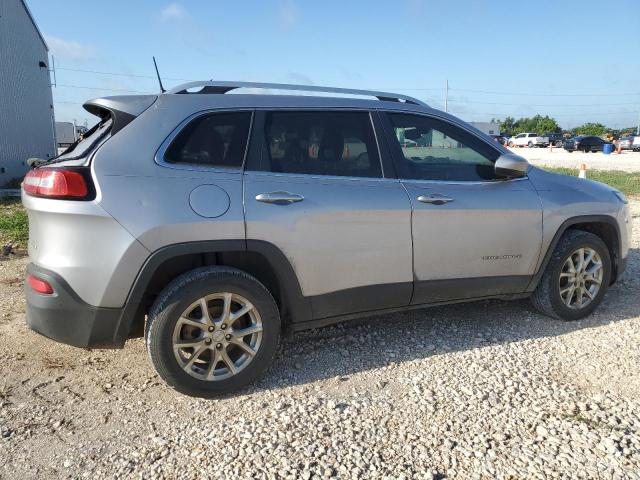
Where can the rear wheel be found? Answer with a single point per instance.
(576, 277)
(212, 330)
(530, 144)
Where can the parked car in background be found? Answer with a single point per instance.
(636, 144)
(585, 143)
(625, 143)
(528, 140)
(555, 139)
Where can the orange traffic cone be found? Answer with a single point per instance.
(583, 171)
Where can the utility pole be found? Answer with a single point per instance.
(638, 127)
(446, 95)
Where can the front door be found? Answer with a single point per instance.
(318, 193)
(474, 234)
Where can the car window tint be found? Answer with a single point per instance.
(216, 139)
(437, 150)
(321, 143)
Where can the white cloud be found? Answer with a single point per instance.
(70, 50)
(298, 78)
(173, 11)
(288, 14)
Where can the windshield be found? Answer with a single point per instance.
(85, 144)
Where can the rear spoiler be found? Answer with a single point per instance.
(122, 109)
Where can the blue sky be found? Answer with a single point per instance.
(575, 60)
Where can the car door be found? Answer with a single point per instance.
(519, 139)
(474, 234)
(597, 143)
(315, 188)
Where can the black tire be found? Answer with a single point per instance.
(530, 144)
(586, 150)
(182, 292)
(546, 298)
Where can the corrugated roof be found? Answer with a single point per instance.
(35, 25)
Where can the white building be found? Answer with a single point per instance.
(490, 128)
(26, 103)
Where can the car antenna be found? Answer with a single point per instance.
(162, 90)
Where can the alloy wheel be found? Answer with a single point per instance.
(217, 336)
(581, 278)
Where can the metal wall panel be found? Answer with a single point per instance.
(26, 104)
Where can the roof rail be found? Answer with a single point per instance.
(224, 87)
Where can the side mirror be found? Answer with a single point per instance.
(510, 165)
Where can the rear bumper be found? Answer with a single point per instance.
(63, 316)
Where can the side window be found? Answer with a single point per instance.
(216, 139)
(437, 150)
(520, 135)
(321, 143)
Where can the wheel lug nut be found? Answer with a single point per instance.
(219, 346)
(228, 337)
(211, 329)
(224, 325)
(207, 341)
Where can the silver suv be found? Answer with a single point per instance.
(208, 220)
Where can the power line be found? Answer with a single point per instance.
(100, 88)
(122, 74)
(554, 115)
(426, 89)
(547, 94)
(525, 104)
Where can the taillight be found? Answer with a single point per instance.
(39, 285)
(56, 183)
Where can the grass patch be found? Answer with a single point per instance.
(627, 182)
(14, 224)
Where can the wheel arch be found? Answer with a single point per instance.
(260, 259)
(603, 226)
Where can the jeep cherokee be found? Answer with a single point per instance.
(209, 217)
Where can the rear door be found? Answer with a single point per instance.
(315, 188)
(474, 234)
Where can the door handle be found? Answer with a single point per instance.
(435, 199)
(279, 198)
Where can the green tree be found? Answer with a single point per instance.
(547, 125)
(591, 129)
(507, 126)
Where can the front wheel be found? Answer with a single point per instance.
(530, 144)
(212, 330)
(576, 277)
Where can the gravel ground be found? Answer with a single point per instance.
(557, 157)
(483, 390)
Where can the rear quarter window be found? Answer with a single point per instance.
(214, 139)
